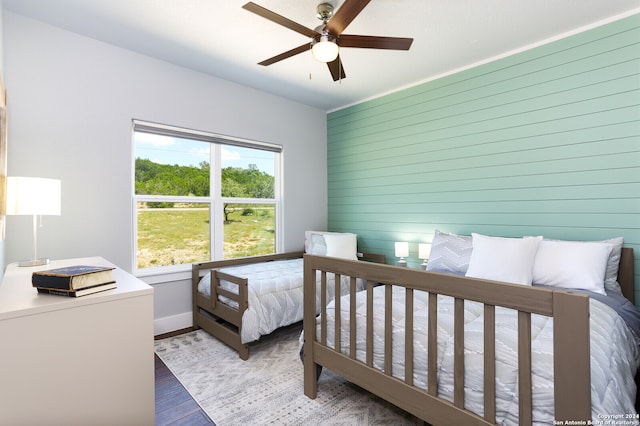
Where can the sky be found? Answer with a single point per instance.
(184, 152)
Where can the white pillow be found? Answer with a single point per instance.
(342, 245)
(572, 264)
(503, 259)
(316, 244)
(611, 284)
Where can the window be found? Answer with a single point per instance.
(199, 196)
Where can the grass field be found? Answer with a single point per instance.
(175, 236)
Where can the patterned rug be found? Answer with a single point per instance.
(268, 387)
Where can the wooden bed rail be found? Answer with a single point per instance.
(571, 341)
(372, 257)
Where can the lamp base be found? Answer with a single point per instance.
(402, 263)
(34, 262)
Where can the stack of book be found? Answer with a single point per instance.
(74, 281)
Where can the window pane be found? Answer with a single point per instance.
(249, 230)
(171, 166)
(172, 234)
(247, 173)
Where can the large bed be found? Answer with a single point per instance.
(240, 300)
(502, 353)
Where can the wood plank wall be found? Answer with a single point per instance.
(544, 142)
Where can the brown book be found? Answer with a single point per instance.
(72, 278)
(77, 293)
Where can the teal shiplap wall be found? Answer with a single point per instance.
(544, 142)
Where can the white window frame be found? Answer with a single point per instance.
(215, 199)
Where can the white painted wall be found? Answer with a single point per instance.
(2, 244)
(71, 102)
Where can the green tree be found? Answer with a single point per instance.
(245, 183)
(256, 184)
(231, 188)
(165, 179)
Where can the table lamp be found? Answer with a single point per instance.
(424, 251)
(402, 251)
(37, 197)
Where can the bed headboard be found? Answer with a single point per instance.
(626, 274)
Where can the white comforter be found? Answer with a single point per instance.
(275, 294)
(614, 354)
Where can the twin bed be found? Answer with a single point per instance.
(240, 300)
(501, 353)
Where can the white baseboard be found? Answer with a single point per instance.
(172, 323)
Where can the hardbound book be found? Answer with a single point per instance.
(77, 293)
(72, 278)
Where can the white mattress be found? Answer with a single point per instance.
(614, 354)
(275, 294)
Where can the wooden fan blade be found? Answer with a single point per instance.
(375, 42)
(278, 19)
(343, 16)
(304, 48)
(336, 69)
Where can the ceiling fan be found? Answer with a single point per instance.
(327, 38)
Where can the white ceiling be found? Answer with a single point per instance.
(220, 38)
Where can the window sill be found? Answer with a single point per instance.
(164, 275)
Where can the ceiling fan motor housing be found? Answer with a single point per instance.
(324, 11)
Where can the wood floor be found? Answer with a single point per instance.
(174, 405)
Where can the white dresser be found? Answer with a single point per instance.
(76, 361)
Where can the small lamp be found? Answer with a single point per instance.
(402, 251)
(33, 196)
(424, 251)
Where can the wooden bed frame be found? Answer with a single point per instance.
(571, 340)
(221, 320)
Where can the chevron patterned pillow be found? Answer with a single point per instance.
(450, 253)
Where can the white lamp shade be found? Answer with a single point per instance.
(402, 249)
(325, 50)
(33, 196)
(424, 250)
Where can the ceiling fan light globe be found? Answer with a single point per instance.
(325, 49)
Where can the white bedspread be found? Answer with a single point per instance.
(614, 354)
(275, 294)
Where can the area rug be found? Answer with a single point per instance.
(268, 387)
